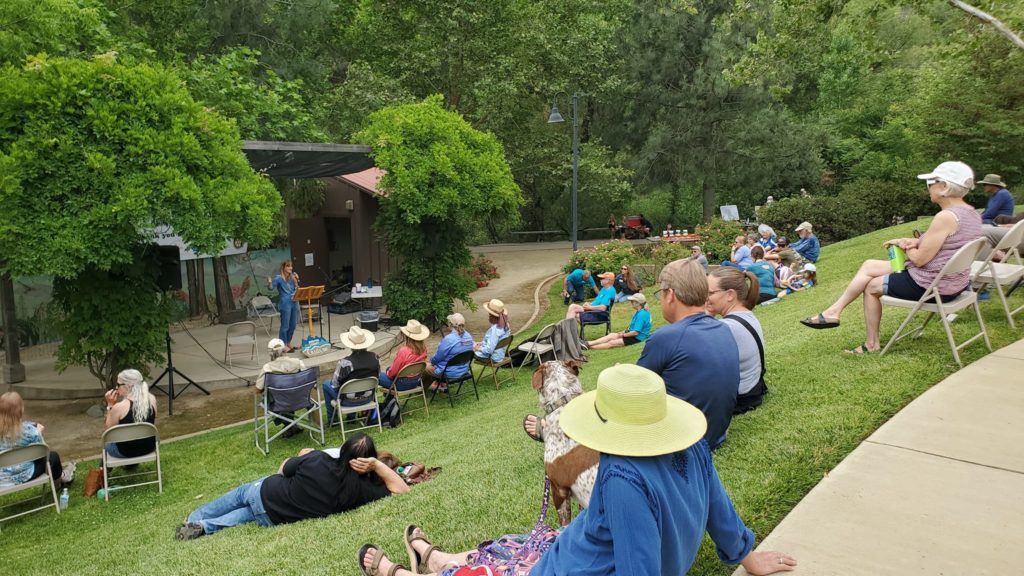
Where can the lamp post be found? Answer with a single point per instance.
(554, 118)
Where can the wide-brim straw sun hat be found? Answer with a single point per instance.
(357, 339)
(495, 307)
(413, 329)
(630, 414)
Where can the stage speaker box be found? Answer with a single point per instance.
(169, 260)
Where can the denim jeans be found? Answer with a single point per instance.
(403, 384)
(576, 293)
(621, 297)
(289, 318)
(112, 450)
(240, 506)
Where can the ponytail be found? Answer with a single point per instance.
(753, 290)
(745, 284)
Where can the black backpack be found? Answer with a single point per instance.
(391, 412)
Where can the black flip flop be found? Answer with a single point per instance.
(819, 322)
(860, 350)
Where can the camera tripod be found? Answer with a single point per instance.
(170, 371)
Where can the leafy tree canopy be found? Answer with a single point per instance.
(93, 154)
(59, 27)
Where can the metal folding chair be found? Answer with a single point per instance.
(23, 455)
(291, 399)
(127, 433)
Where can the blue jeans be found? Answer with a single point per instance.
(240, 506)
(403, 384)
(331, 394)
(731, 264)
(621, 297)
(576, 293)
(112, 450)
(289, 318)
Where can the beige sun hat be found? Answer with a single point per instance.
(413, 329)
(804, 226)
(631, 415)
(357, 339)
(994, 180)
(495, 307)
(638, 297)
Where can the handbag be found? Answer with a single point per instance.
(93, 481)
(514, 555)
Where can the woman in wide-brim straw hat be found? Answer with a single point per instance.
(497, 315)
(413, 350)
(656, 494)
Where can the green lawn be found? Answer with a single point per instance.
(822, 404)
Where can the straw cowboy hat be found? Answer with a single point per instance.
(495, 307)
(357, 339)
(413, 329)
(993, 180)
(631, 415)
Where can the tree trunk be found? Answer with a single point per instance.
(13, 370)
(196, 273)
(222, 287)
(709, 199)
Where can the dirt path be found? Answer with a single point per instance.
(74, 434)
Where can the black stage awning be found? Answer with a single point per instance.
(305, 160)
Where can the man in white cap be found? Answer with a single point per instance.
(360, 364)
(807, 246)
(1000, 202)
(279, 364)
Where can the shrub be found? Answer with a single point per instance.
(666, 252)
(607, 257)
(717, 237)
(861, 206)
(482, 269)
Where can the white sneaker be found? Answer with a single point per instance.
(950, 317)
(67, 476)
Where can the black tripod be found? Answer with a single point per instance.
(170, 371)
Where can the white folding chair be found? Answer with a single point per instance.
(1006, 273)
(24, 455)
(538, 346)
(127, 433)
(292, 399)
(357, 386)
(414, 370)
(240, 334)
(931, 302)
(263, 309)
(494, 366)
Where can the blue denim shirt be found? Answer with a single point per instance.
(808, 247)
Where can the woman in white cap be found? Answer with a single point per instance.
(639, 327)
(279, 364)
(456, 341)
(413, 350)
(657, 493)
(487, 349)
(361, 363)
(954, 226)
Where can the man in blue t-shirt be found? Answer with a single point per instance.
(600, 309)
(807, 246)
(1001, 201)
(695, 354)
(575, 285)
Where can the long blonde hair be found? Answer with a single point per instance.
(12, 409)
(138, 393)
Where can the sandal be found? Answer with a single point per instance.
(535, 436)
(862, 349)
(819, 322)
(374, 569)
(415, 560)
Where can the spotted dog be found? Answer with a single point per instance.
(572, 468)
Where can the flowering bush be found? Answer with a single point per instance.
(482, 269)
(717, 237)
(607, 257)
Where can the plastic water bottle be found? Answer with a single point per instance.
(369, 282)
(897, 258)
(101, 493)
(64, 499)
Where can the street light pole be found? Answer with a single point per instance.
(555, 118)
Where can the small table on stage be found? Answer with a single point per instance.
(375, 292)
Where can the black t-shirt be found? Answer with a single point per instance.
(315, 486)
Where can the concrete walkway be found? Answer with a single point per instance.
(938, 489)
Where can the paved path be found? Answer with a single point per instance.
(938, 489)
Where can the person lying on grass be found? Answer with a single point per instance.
(310, 485)
(657, 493)
(956, 224)
(638, 331)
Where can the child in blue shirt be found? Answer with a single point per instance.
(638, 331)
(807, 279)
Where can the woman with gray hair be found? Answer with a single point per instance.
(954, 226)
(129, 402)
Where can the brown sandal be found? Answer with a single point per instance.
(537, 436)
(415, 560)
(374, 569)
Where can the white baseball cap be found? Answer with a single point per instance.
(809, 268)
(954, 172)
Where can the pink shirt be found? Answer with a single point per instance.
(404, 357)
(968, 229)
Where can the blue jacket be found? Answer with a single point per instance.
(1000, 204)
(451, 345)
(808, 247)
(488, 346)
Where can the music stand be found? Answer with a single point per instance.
(309, 294)
(170, 371)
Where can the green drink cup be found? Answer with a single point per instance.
(897, 258)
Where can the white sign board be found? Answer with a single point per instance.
(730, 212)
(309, 259)
(165, 236)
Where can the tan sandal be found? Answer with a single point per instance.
(374, 569)
(415, 560)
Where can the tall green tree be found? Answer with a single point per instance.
(441, 175)
(93, 156)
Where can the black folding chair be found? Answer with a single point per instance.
(460, 359)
